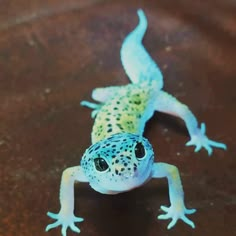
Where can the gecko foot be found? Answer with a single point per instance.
(201, 140)
(65, 221)
(176, 213)
(94, 106)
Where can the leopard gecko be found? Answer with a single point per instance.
(120, 158)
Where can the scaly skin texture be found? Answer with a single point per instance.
(124, 112)
(120, 158)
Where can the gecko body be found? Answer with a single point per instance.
(126, 110)
(120, 158)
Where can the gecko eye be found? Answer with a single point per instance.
(139, 150)
(100, 164)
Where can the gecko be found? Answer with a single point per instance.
(120, 158)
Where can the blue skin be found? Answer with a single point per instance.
(121, 159)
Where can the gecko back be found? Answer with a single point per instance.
(126, 111)
(127, 108)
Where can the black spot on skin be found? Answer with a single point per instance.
(120, 126)
(109, 130)
(122, 169)
(116, 171)
(117, 161)
(137, 102)
(128, 157)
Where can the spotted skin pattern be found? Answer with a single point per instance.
(120, 158)
(125, 171)
(124, 111)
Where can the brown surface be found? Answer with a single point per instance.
(52, 55)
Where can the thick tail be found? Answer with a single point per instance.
(137, 63)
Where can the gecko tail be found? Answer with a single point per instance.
(136, 61)
(140, 30)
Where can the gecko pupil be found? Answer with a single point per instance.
(139, 150)
(100, 164)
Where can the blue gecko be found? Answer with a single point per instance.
(120, 158)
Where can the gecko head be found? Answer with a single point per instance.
(119, 163)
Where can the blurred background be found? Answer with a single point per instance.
(53, 53)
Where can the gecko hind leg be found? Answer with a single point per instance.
(104, 94)
(101, 95)
(168, 104)
(94, 106)
(201, 140)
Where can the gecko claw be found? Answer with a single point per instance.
(94, 106)
(200, 140)
(176, 213)
(65, 221)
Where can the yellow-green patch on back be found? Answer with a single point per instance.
(122, 113)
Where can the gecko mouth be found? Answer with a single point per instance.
(130, 174)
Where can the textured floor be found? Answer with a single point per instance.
(53, 53)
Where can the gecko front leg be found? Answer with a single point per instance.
(170, 105)
(177, 209)
(66, 217)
